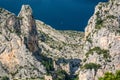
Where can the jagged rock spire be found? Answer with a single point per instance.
(26, 9)
(28, 28)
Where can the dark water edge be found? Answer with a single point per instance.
(60, 14)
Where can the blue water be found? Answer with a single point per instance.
(60, 14)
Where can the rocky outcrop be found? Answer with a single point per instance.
(28, 28)
(26, 43)
(18, 40)
(57, 44)
(102, 40)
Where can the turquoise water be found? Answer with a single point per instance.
(60, 14)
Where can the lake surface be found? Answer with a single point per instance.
(60, 14)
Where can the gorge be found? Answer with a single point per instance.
(32, 50)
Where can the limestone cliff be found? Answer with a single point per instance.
(28, 28)
(26, 43)
(102, 40)
(31, 49)
(18, 40)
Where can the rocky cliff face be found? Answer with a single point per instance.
(18, 40)
(28, 44)
(25, 41)
(28, 28)
(102, 40)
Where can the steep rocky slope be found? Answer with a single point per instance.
(19, 45)
(30, 49)
(25, 42)
(102, 41)
(57, 44)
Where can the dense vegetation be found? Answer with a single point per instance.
(99, 51)
(92, 66)
(99, 21)
(111, 17)
(62, 75)
(48, 63)
(4, 78)
(111, 76)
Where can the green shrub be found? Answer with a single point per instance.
(99, 51)
(75, 78)
(0, 32)
(48, 63)
(92, 66)
(118, 31)
(111, 17)
(84, 60)
(100, 7)
(111, 76)
(60, 75)
(89, 40)
(97, 13)
(99, 23)
(4, 78)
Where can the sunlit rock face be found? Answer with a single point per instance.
(28, 28)
(24, 39)
(103, 34)
(25, 42)
(19, 41)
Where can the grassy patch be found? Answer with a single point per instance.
(62, 75)
(92, 66)
(99, 23)
(111, 17)
(48, 63)
(99, 51)
(111, 76)
(5, 78)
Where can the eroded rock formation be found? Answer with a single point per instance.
(24, 43)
